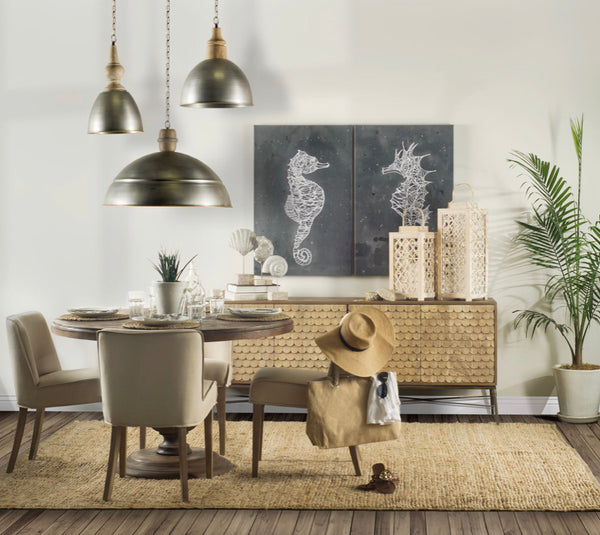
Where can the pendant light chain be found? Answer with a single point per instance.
(113, 37)
(216, 17)
(168, 69)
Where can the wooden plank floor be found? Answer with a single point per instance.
(585, 438)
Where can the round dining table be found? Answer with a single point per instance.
(163, 462)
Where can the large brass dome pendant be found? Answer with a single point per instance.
(167, 178)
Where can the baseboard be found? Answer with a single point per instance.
(530, 405)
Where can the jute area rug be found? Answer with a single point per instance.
(455, 466)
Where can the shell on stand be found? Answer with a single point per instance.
(243, 240)
(264, 249)
(276, 265)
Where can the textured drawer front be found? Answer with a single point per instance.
(249, 356)
(406, 359)
(298, 349)
(457, 344)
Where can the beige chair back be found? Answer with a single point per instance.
(153, 378)
(32, 351)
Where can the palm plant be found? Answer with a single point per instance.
(168, 266)
(561, 240)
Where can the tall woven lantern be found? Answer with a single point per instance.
(462, 250)
(412, 260)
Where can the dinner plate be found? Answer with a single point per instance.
(254, 312)
(157, 321)
(93, 312)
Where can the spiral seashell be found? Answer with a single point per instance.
(243, 240)
(277, 266)
(264, 249)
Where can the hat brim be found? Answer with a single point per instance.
(361, 363)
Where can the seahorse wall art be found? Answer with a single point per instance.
(413, 190)
(305, 201)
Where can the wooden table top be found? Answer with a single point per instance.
(213, 329)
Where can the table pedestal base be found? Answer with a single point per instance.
(150, 464)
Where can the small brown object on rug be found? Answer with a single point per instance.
(382, 480)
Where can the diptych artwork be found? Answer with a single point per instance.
(327, 196)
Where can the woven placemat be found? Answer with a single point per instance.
(274, 317)
(75, 317)
(140, 326)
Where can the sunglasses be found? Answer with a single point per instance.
(382, 389)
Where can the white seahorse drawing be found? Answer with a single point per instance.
(304, 202)
(413, 190)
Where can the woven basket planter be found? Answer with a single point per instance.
(412, 260)
(462, 264)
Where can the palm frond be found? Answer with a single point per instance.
(561, 240)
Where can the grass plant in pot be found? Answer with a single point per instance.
(563, 242)
(170, 290)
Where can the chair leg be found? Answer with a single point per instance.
(257, 431)
(355, 454)
(222, 416)
(37, 431)
(142, 438)
(18, 437)
(123, 452)
(115, 439)
(261, 434)
(208, 445)
(183, 463)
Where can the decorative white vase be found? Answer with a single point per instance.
(169, 296)
(578, 394)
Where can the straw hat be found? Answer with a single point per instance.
(362, 344)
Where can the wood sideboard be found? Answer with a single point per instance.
(439, 343)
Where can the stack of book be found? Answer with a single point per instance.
(249, 292)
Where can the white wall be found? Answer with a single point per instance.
(508, 74)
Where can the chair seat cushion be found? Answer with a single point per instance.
(65, 387)
(283, 386)
(216, 370)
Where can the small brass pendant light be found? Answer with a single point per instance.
(216, 82)
(114, 111)
(167, 177)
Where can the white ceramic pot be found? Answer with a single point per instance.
(169, 296)
(578, 394)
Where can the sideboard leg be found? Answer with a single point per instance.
(494, 404)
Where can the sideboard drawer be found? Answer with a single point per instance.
(406, 358)
(458, 344)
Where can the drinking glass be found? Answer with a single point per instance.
(196, 311)
(136, 303)
(217, 302)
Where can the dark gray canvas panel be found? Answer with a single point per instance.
(303, 196)
(397, 167)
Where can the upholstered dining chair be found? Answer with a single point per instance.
(217, 367)
(283, 387)
(40, 382)
(154, 379)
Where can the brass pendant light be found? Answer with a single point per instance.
(114, 111)
(216, 82)
(167, 177)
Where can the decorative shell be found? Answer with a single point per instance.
(277, 266)
(243, 240)
(264, 249)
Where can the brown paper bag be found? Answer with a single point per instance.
(337, 415)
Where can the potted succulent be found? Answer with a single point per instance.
(562, 241)
(170, 290)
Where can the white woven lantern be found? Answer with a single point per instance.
(462, 250)
(412, 260)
